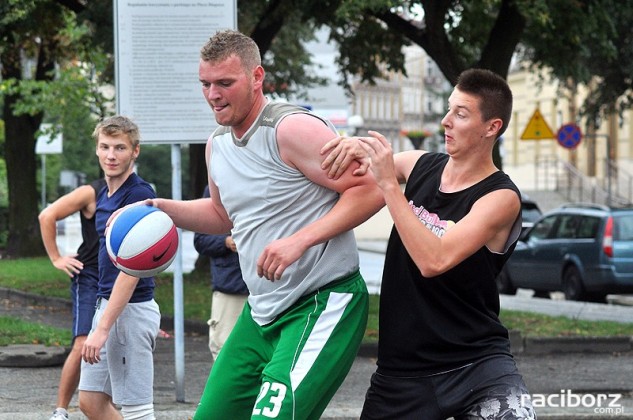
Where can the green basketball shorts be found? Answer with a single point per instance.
(290, 368)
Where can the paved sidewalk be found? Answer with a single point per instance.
(593, 379)
(565, 377)
(572, 309)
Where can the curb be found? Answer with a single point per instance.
(536, 345)
(518, 343)
(27, 298)
(32, 355)
(579, 344)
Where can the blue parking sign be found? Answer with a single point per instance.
(569, 136)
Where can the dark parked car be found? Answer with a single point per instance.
(530, 212)
(583, 250)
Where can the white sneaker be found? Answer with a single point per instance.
(59, 414)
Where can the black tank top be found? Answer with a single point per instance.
(432, 325)
(88, 251)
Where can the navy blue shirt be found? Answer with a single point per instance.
(133, 189)
(226, 275)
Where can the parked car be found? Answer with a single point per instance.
(583, 250)
(530, 212)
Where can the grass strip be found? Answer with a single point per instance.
(38, 276)
(16, 331)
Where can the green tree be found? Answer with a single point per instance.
(50, 73)
(26, 29)
(459, 35)
(597, 53)
(55, 55)
(370, 34)
(585, 40)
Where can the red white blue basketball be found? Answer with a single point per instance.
(142, 241)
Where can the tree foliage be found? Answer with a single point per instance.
(27, 29)
(586, 41)
(70, 43)
(281, 30)
(596, 52)
(52, 71)
(55, 54)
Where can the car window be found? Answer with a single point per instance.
(588, 228)
(623, 228)
(542, 229)
(568, 226)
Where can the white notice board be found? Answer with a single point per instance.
(157, 50)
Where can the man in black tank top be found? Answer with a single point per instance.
(442, 350)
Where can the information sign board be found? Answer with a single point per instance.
(157, 48)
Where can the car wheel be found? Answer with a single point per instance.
(572, 284)
(504, 284)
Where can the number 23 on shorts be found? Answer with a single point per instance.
(270, 398)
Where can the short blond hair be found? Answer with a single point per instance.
(117, 126)
(226, 43)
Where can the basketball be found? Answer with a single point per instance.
(142, 241)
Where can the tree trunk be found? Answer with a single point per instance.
(590, 139)
(24, 235)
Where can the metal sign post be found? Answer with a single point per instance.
(47, 145)
(157, 51)
(179, 309)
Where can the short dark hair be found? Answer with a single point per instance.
(226, 43)
(495, 96)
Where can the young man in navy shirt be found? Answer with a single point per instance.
(118, 360)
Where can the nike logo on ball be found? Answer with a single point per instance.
(158, 257)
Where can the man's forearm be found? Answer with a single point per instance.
(121, 293)
(194, 215)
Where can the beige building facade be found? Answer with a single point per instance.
(399, 104)
(531, 157)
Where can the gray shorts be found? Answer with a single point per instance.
(126, 369)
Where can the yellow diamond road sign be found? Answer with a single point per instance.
(537, 128)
